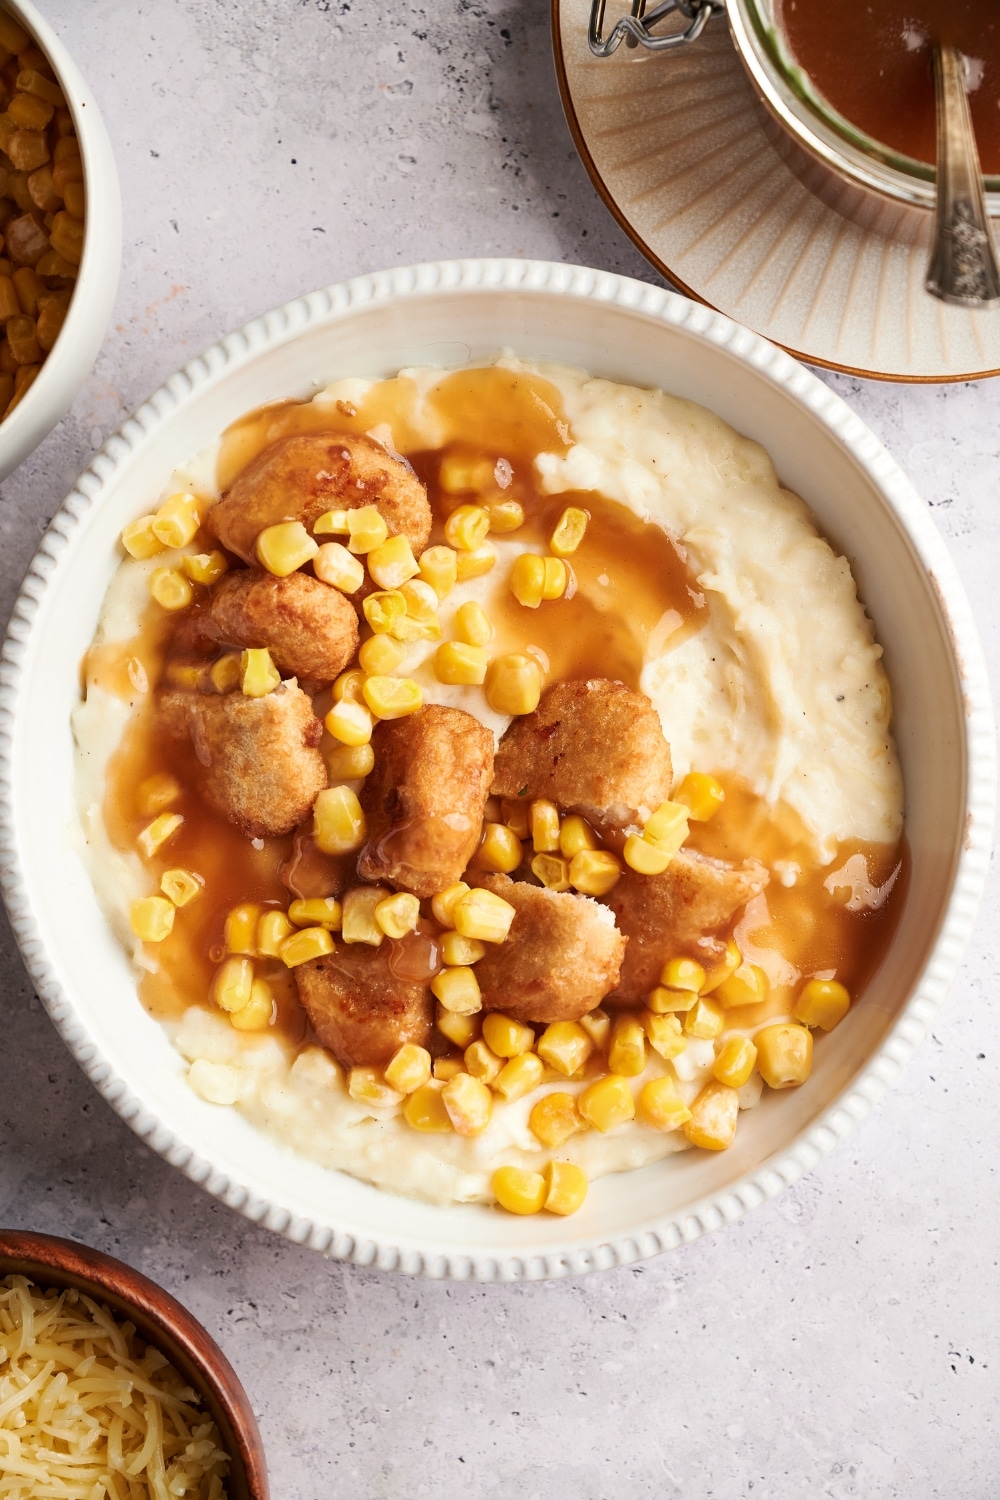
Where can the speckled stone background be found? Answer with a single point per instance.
(840, 1342)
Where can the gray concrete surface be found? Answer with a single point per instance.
(842, 1341)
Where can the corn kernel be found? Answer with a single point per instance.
(444, 903)
(661, 1106)
(713, 1117)
(722, 968)
(205, 567)
(366, 529)
(475, 564)
(747, 985)
(552, 871)
(333, 564)
(181, 886)
(566, 1187)
(460, 471)
(272, 929)
(366, 1087)
(350, 723)
(645, 858)
(392, 563)
(704, 1019)
(424, 1109)
(784, 1055)
(152, 918)
(570, 530)
(597, 1024)
(240, 931)
(555, 579)
(684, 974)
(156, 834)
(822, 1002)
(702, 796)
(225, 673)
(358, 922)
(384, 610)
(507, 1037)
(397, 915)
(338, 822)
(458, 990)
(513, 684)
(565, 1046)
(380, 655)
(179, 674)
(527, 579)
(594, 872)
(515, 813)
(316, 911)
(260, 1010)
(139, 539)
(306, 944)
(505, 515)
(393, 697)
(349, 762)
(519, 1076)
(607, 1103)
(482, 1062)
(421, 601)
(481, 914)
(406, 629)
(467, 527)
(409, 1068)
(667, 827)
(332, 523)
(500, 849)
(258, 674)
(177, 520)
(456, 662)
(662, 1001)
(735, 1061)
(438, 568)
(158, 792)
(544, 819)
(574, 835)
(664, 1034)
(518, 1191)
(627, 1053)
(462, 1030)
(472, 624)
(284, 548)
(554, 1119)
(447, 1067)
(459, 950)
(170, 589)
(233, 984)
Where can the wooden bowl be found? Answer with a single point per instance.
(162, 1322)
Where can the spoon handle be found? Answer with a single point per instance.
(963, 266)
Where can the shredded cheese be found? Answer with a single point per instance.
(90, 1412)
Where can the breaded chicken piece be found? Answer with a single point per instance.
(262, 768)
(424, 800)
(561, 956)
(310, 629)
(299, 477)
(677, 913)
(359, 1009)
(594, 747)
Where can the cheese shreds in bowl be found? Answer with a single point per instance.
(88, 1411)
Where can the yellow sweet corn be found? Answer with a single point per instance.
(554, 1119)
(438, 567)
(714, 1115)
(462, 1030)
(513, 684)
(627, 1052)
(594, 872)
(335, 565)
(240, 931)
(366, 529)
(392, 563)
(444, 903)
(225, 673)
(505, 515)
(456, 662)
(338, 822)
(459, 950)
(667, 827)
(556, 578)
(139, 539)
(570, 530)
(258, 674)
(482, 1062)
(519, 1076)
(205, 567)
(273, 928)
(407, 629)
(380, 655)
(332, 523)
(177, 520)
(384, 610)
(458, 990)
(260, 1010)
(643, 857)
(822, 1002)
(421, 601)
(661, 1106)
(784, 1054)
(156, 834)
(397, 915)
(409, 1068)
(474, 564)
(284, 548)
(515, 813)
(685, 974)
(365, 1086)
(565, 1046)
(306, 943)
(316, 911)
(349, 762)
(552, 871)
(158, 792)
(480, 914)
(507, 1037)
(527, 579)
(446, 1067)
(500, 849)
(664, 1034)
(565, 1187)
(518, 1191)
(735, 1061)
(472, 624)
(460, 472)
(597, 1024)
(722, 968)
(544, 820)
(467, 527)
(575, 835)
(607, 1103)
(705, 1019)
(424, 1109)
(358, 922)
(662, 1001)
(702, 796)
(152, 918)
(181, 886)
(350, 723)
(170, 589)
(233, 984)
(393, 697)
(747, 985)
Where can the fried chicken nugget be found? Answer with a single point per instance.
(594, 747)
(310, 629)
(262, 768)
(425, 799)
(299, 477)
(676, 913)
(359, 1009)
(561, 957)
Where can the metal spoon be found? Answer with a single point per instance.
(963, 266)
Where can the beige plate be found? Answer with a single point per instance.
(678, 148)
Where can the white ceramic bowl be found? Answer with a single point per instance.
(449, 313)
(75, 350)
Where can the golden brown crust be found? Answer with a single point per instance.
(310, 629)
(677, 913)
(425, 799)
(560, 959)
(359, 1009)
(592, 747)
(262, 769)
(299, 477)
